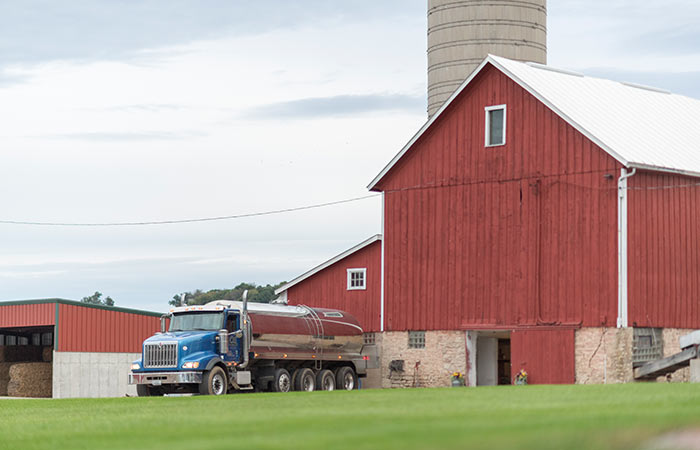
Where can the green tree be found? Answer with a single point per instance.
(96, 299)
(256, 293)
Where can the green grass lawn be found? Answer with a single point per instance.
(542, 417)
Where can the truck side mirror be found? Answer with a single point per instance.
(162, 323)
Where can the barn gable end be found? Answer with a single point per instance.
(496, 237)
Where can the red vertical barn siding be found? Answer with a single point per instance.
(547, 356)
(663, 251)
(328, 288)
(28, 315)
(520, 234)
(85, 329)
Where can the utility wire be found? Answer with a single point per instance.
(201, 219)
(425, 186)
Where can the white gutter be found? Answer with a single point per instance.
(622, 280)
(381, 291)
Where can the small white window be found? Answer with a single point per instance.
(495, 125)
(357, 279)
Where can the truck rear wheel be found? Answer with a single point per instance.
(214, 382)
(282, 381)
(345, 378)
(325, 381)
(306, 380)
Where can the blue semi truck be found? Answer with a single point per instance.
(227, 346)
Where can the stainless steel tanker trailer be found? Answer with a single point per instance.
(228, 346)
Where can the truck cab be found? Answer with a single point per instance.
(201, 351)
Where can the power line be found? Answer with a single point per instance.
(179, 221)
(425, 186)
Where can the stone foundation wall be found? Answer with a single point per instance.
(670, 337)
(432, 366)
(603, 355)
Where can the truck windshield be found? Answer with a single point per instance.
(196, 321)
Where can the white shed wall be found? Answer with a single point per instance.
(82, 374)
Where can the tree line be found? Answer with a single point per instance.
(256, 293)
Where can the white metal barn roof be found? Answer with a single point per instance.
(639, 126)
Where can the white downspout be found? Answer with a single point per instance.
(381, 293)
(622, 284)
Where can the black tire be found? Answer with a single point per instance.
(295, 376)
(345, 379)
(214, 382)
(282, 381)
(143, 390)
(305, 381)
(325, 381)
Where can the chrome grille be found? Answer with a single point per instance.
(160, 354)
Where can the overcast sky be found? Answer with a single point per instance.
(125, 110)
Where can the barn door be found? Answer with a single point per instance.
(548, 356)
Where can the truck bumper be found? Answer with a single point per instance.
(159, 378)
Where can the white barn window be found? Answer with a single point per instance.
(357, 279)
(495, 125)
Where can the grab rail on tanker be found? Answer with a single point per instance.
(317, 331)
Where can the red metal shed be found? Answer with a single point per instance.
(82, 327)
(90, 346)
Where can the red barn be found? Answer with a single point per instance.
(541, 220)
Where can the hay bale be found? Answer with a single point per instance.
(47, 354)
(30, 380)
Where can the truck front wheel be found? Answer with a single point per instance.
(214, 382)
(144, 390)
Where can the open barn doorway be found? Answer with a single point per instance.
(26, 366)
(493, 358)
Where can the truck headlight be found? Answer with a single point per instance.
(190, 365)
(135, 366)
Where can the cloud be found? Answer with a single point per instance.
(127, 136)
(10, 79)
(156, 107)
(675, 40)
(340, 105)
(40, 30)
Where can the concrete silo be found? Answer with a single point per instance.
(462, 33)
